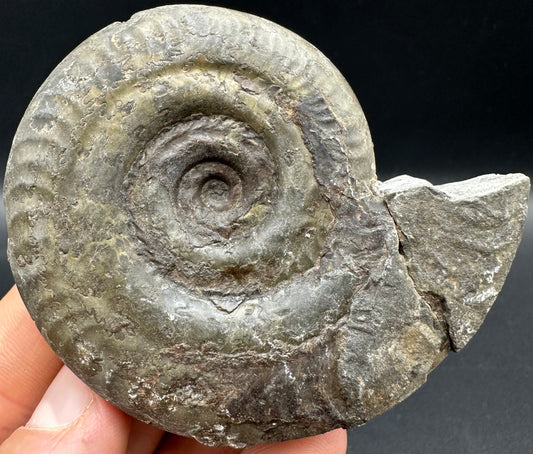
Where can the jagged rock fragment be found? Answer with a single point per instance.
(459, 240)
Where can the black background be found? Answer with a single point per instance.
(447, 88)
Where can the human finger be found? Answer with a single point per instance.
(27, 364)
(173, 444)
(144, 438)
(334, 442)
(70, 418)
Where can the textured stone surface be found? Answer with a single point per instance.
(196, 227)
(459, 240)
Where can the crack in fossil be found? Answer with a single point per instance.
(437, 303)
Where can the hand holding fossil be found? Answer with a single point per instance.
(70, 418)
(196, 227)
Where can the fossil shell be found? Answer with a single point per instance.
(195, 227)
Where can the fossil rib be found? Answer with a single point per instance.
(196, 227)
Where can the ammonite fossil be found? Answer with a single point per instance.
(196, 226)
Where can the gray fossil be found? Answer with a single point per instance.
(196, 227)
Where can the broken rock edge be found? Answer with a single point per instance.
(439, 308)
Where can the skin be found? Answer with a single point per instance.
(28, 367)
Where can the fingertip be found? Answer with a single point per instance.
(27, 364)
(71, 418)
(57, 409)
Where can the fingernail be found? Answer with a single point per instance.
(64, 402)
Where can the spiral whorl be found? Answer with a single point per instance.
(193, 227)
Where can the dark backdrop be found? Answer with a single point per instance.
(447, 88)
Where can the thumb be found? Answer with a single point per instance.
(71, 418)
